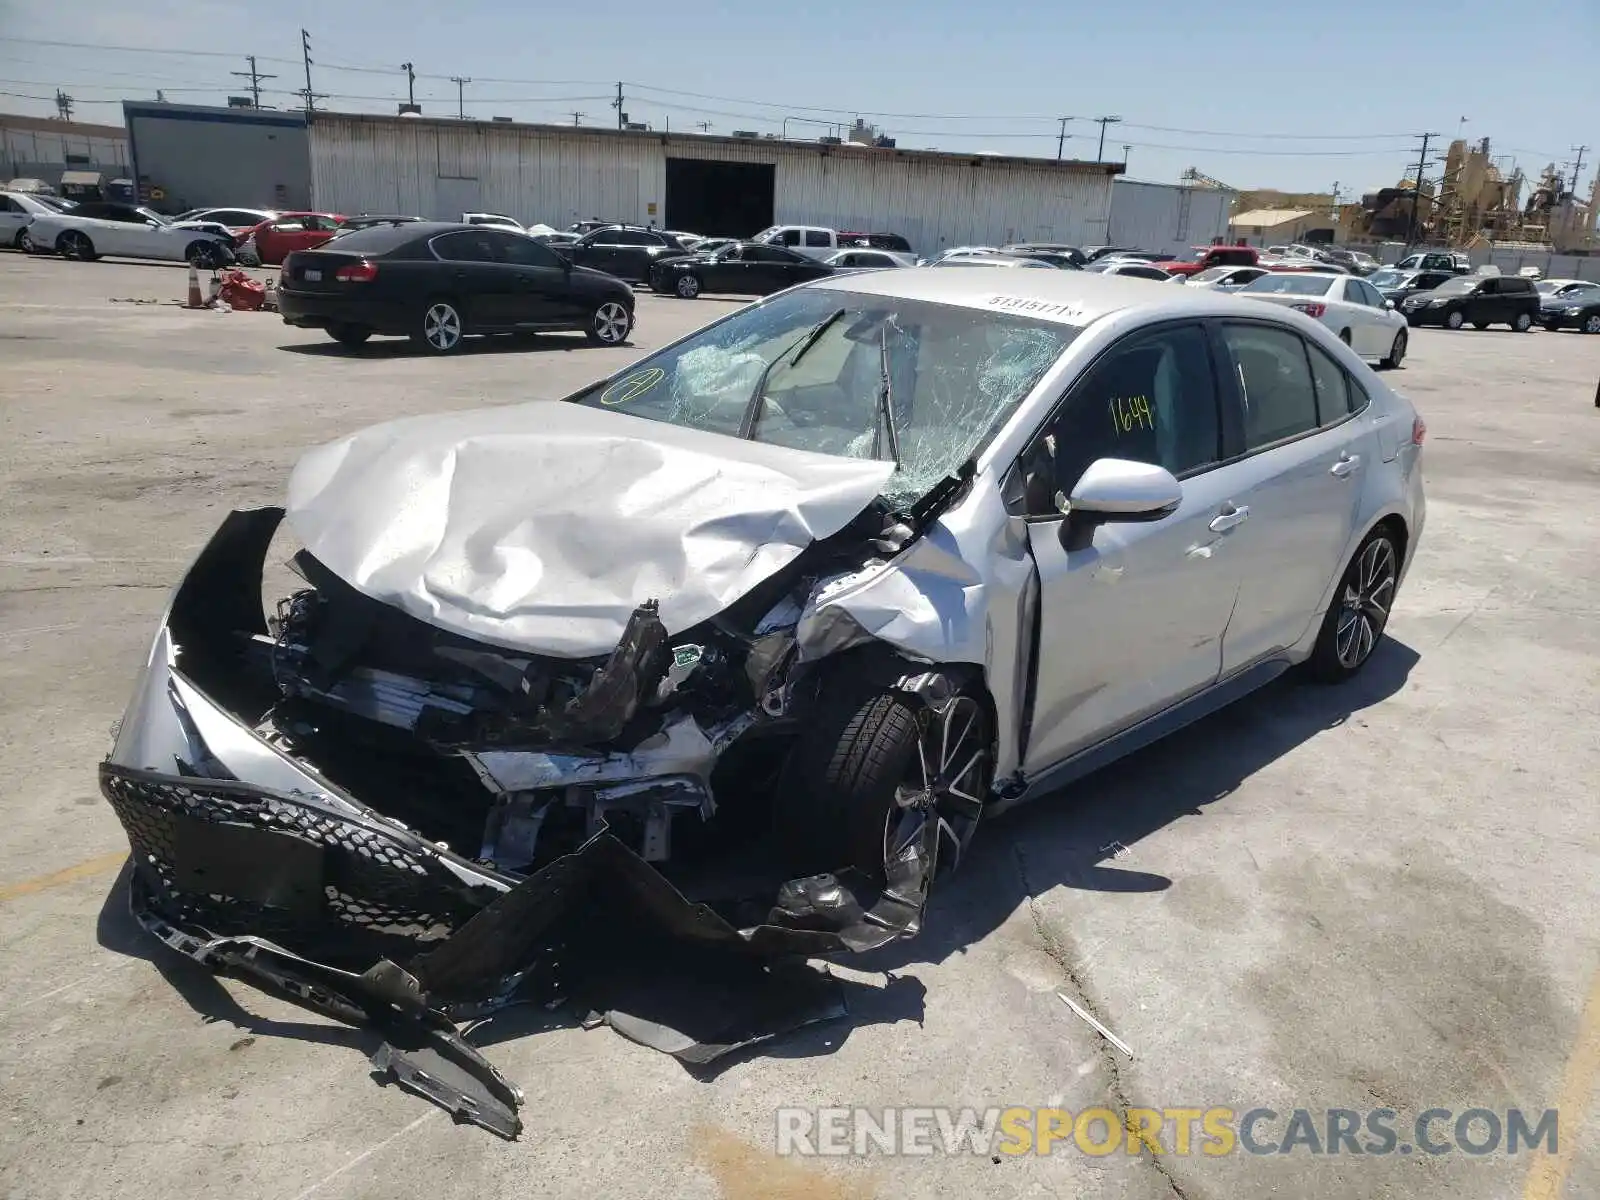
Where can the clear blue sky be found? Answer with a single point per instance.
(1292, 94)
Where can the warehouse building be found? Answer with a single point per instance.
(195, 156)
(46, 149)
(732, 186)
(1280, 226)
(1166, 217)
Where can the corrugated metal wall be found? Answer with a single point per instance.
(1166, 217)
(43, 154)
(441, 169)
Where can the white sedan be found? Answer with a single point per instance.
(1224, 279)
(95, 228)
(17, 209)
(1351, 307)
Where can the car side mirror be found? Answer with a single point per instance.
(1117, 489)
(1389, 304)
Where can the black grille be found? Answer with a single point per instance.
(234, 859)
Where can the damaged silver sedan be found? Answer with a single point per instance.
(709, 669)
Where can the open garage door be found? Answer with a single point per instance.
(719, 199)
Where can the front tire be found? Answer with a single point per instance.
(687, 287)
(1523, 323)
(439, 328)
(1591, 323)
(349, 335)
(1397, 352)
(1359, 613)
(867, 760)
(73, 244)
(204, 256)
(610, 324)
(1454, 321)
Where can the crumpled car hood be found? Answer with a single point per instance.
(542, 526)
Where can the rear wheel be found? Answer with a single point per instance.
(439, 327)
(1397, 351)
(869, 768)
(1360, 609)
(688, 286)
(1523, 323)
(349, 335)
(73, 244)
(610, 324)
(1480, 324)
(1454, 321)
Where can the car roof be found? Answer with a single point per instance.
(1076, 297)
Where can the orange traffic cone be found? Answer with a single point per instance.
(196, 300)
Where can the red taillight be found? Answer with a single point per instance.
(1311, 308)
(361, 272)
(1419, 430)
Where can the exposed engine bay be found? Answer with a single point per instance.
(404, 826)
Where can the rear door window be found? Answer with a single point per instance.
(1280, 400)
(467, 246)
(818, 238)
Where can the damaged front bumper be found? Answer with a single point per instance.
(250, 860)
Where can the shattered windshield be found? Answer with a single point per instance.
(953, 375)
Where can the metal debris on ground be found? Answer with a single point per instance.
(1101, 1029)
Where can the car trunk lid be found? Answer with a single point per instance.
(317, 270)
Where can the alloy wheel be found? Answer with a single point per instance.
(1523, 323)
(441, 327)
(1455, 320)
(1364, 607)
(688, 287)
(1591, 323)
(611, 323)
(946, 782)
(1398, 350)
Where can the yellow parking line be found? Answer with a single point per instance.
(1548, 1173)
(41, 883)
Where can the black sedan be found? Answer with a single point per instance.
(1577, 308)
(626, 251)
(1400, 286)
(742, 269)
(438, 282)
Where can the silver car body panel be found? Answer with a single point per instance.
(541, 527)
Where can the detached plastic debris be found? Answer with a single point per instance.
(374, 929)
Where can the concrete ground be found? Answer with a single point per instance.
(1380, 896)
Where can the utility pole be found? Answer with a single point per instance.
(63, 105)
(1416, 192)
(577, 118)
(703, 126)
(1100, 154)
(1125, 148)
(1061, 138)
(255, 77)
(411, 84)
(311, 97)
(622, 117)
(461, 82)
(1577, 166)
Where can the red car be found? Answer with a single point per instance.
(1212, 256)
(291, 231)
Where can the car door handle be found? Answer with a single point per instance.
(1234, 514)
(1346, 466)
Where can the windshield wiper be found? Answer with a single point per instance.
(885, 400)
(752, 408)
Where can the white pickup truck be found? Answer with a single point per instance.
(813, 241)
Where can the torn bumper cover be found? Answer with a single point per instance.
(251, 861)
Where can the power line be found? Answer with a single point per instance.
(139, 49)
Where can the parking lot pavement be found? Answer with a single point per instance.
(1380, 896)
